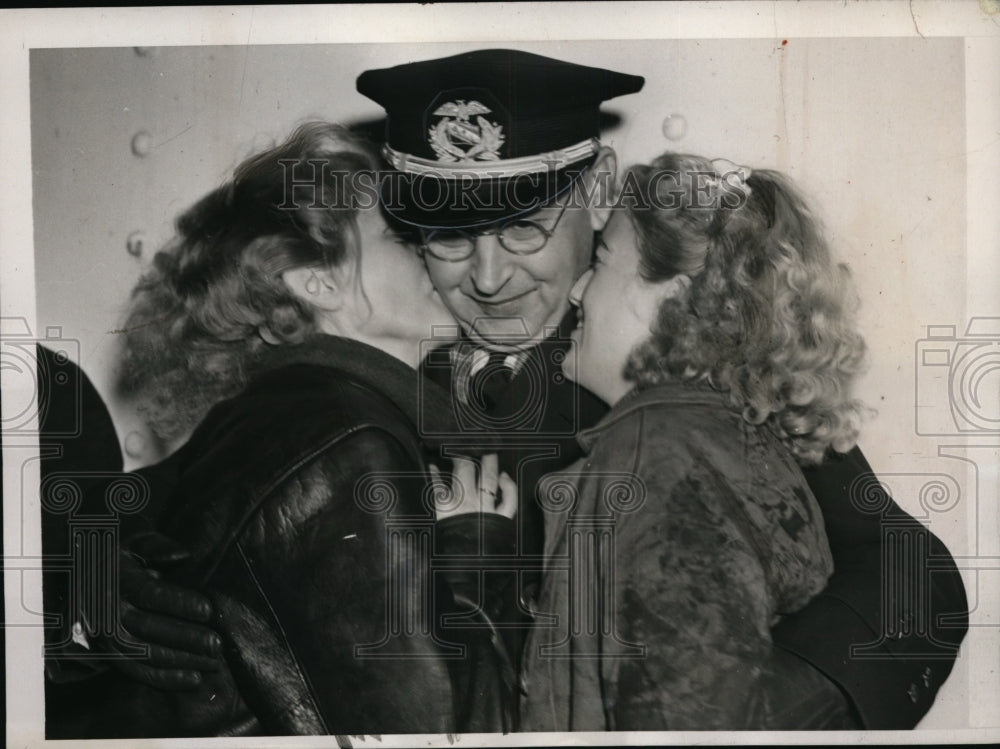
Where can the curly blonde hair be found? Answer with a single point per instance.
(214, 301)
(768, 316)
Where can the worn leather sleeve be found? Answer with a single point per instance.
(473, 553)
(887, 628)
(471, 550)
(329, 584)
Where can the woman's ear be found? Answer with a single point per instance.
(678, 286)
(315, 286)
(645, 297)
(672, 288)
(599, 183)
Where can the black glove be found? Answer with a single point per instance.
(169, 620)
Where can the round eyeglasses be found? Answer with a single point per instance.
(518, 236)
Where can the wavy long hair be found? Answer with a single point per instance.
(213, 299)
(768, 316)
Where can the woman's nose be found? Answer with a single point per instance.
(493, 265)
(576, 293)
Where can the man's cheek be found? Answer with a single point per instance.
(462, 308)
(442, 281)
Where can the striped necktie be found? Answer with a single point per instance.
(480, 375)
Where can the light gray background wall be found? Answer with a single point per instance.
(872, 129)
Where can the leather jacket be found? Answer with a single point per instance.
(303, 501)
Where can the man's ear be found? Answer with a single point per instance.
(599, 183)
(316, 286)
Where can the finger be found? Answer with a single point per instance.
(154, 548)
(435, 474)
(488, 470)
(463, 496)
(167, 599)
(167, 659)
(167, 679)
(442, 496)
(463, 480)
(176, 634)
(508, 496)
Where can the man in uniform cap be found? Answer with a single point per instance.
(505, 235)
(499, 175)
(501, 179)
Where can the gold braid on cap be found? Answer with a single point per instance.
(542, 162)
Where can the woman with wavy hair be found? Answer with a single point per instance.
(280, 332)
(718, 327)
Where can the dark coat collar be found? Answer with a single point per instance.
(637, 399)
(422, 401)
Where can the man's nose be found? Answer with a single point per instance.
(493, 265)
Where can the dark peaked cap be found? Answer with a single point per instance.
(493, 115)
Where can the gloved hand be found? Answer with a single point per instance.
(171, 621)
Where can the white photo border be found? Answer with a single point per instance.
(22, 30)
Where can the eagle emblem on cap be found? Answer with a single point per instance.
(457, 138)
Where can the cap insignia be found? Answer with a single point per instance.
(456, 138)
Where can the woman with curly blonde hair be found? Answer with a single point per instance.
(768, 317)
(719, 329)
